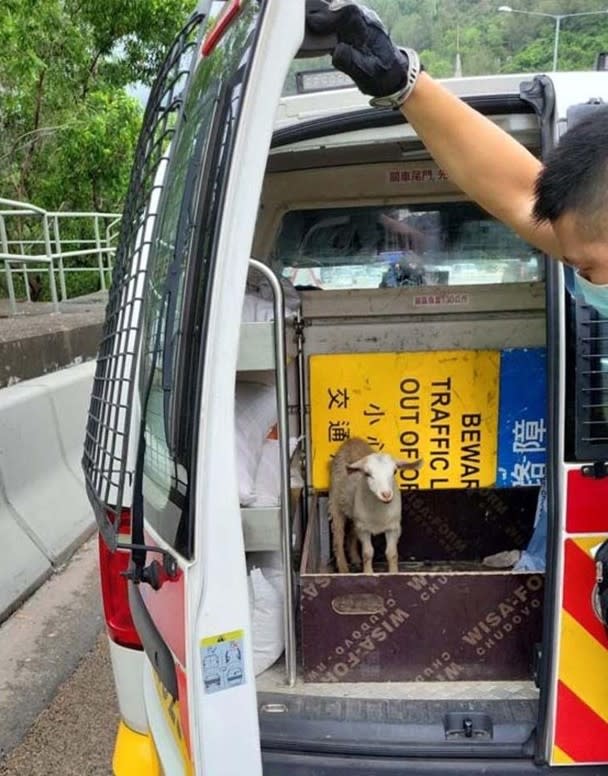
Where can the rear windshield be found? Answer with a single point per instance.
(447, 243)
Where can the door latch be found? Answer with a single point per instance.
(154, 574)
(472, 725)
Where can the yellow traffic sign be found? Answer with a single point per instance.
(441, 406)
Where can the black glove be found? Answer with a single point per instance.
(364, 51)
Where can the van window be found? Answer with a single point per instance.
(183, 248)
(448, 243)
(587, 383)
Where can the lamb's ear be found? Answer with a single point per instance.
(409, 464)
(357, 466)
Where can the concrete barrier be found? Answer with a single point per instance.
(24, 566)
(69, 391)
(44, 511)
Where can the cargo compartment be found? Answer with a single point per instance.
(445, 616)
(421, 329)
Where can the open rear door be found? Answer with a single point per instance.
(164, 390)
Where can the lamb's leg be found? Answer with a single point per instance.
(392, 537)
(337, 531)
(365, 538)
(353, 547)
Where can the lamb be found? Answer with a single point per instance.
(363, 490)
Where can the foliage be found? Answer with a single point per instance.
(68, 120)
(67, 123)
(490, 41)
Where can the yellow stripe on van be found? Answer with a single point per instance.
(171, 713)
(583, 664)
(560, 757)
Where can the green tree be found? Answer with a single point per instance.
(490, 41)
(67, 124)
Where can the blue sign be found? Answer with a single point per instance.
(522, 418)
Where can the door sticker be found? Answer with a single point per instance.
(223, 661)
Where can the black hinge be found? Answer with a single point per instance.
(299, 325)
(597, 470)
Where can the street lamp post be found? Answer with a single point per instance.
(557, 17)
(558, 21)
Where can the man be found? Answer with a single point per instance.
(560, 208)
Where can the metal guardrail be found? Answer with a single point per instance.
(31, 239)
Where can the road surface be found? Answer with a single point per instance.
(58, 714)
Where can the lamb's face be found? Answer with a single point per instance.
(379, 472)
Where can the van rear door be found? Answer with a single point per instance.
(198, 613)
(166, 378)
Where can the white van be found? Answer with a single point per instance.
(292, 272)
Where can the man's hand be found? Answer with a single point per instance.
(365, 51)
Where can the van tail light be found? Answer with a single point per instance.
(114, 593)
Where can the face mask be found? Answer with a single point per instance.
(595, 296)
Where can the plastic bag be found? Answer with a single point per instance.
(268, 476)
(533, 558)
(266, 604)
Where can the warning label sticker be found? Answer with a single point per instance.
(441, 406)
(444, 299)
(223, 661)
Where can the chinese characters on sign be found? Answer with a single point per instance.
(417, 175)
(440, 406)
(338, 429)
(374, 412)
(529, 435)
(338, 398)
(522, 442)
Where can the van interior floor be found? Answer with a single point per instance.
(419, 719)
(273, 681)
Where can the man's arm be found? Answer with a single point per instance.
(488, 164)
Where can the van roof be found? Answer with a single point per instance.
(570, 88)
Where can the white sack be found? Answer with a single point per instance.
(266, 604)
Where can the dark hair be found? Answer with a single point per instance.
(575, 175)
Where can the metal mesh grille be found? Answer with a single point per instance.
(591, 384)
(106, 462)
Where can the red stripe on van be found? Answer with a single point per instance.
(167, 609)
(586, 504)
(580, 732)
